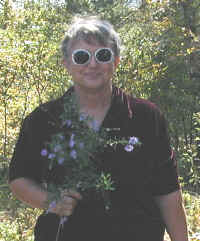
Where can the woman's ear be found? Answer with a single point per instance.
(66, 65)
(64, 62)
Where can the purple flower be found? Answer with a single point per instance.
(128, 148)
(51, 156)
(72, 142)
(61, 160)
(82, 117)
(73, 154)
(68, 123)
(95, 125)
(133, 140)
(44, 152)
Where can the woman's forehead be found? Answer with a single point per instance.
(79, 44)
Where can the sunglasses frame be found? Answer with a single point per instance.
(95, 55)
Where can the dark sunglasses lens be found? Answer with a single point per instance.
(81, 57)
(104, 55)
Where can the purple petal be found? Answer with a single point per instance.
(51, 156)
(95, 125)
(68, 123)
(71, 143)
(61, 160)
(133, 140)
(128, 148)
(52, 204)
(44, 152)
(83, 117)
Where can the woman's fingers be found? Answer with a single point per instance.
(71, 193)
(68, 201)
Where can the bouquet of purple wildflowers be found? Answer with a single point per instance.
(74, 149)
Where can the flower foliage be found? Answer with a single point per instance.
(74, 150)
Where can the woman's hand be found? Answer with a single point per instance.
(68, 201)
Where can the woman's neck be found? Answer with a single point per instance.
(94, 104)
(91, 100)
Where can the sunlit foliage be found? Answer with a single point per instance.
(160, 61)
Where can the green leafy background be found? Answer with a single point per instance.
(160, 61)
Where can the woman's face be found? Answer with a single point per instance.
(92, 75)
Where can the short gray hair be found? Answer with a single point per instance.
(90, 29)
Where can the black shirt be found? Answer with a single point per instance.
(139, 175)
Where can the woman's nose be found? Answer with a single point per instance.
(93, 61)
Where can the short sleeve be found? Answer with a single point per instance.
(26, 160)
(165, 173)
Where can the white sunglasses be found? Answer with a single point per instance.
(83, 56)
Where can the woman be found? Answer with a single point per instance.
(147, 197)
